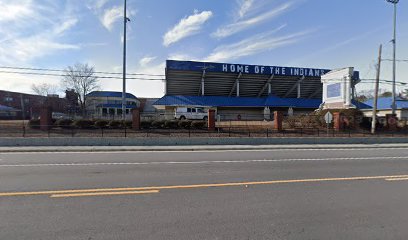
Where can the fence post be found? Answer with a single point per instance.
(301, 132)
(267, 132)
(24, 131)
(48, 131)
(249, 132)
(189, 132)
(125, 132)
(102, 131)
(72, 132)
(318, 132)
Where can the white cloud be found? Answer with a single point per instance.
(245, 7)
(66, 25)
(144, 62)
(30, 30)
(111, 16)
(243, 24)
(186, 27)
(26, 49)
(15, 10)
(181, 57)
(254, 45)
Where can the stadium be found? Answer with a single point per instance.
(249, 92)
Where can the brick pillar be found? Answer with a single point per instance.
(46, 118)
(278, 119)
(392, 122)
(338, 121)
(136, 118)
(211, 119)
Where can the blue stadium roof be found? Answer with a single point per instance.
(385, 103)
(219, 101)
(361, 105)
(110, 94)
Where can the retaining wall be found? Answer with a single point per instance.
(12, 142)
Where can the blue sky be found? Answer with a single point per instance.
(300, 33)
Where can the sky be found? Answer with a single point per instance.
(294, 33)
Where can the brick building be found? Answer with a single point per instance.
(29, 105)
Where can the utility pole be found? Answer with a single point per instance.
(377, 83)
(125, 20)
(394, 64)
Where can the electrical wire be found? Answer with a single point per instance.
(60, 70)
(65, 75)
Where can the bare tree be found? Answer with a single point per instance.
(44, 89)
(82, 79)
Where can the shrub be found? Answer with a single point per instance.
(128, 124)
(158, 124)
(34, 123)
(291, 121)
(353, 118)
(63, 123)
(185, 124)
(172, 124)
(198, 124)
(146, 124)
(84, 124)
(115, 124)
(101, 124)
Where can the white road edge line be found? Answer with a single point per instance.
(197, 162)
(91, 151)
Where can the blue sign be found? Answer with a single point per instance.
(246, 69)
(334, 90)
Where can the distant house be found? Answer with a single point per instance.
(108, 105)
(384, 107)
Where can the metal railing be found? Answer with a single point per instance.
(220, 132)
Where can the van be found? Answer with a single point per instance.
(193, 113)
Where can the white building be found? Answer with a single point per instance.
(108, 105)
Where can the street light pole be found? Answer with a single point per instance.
(125, 19)
(394, 62)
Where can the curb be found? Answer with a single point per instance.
(196, 148)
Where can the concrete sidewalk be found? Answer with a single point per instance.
(194, 148)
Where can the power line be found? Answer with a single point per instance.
(60, 70)
(65, 75)
(399, 60)
(364, 80)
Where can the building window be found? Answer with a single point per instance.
(127, 111)
(119, 111)
(8, 99)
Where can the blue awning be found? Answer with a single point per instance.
(119, 106)
(220, 101)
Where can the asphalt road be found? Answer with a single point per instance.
(273, 194)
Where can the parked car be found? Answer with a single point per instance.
(59, 115)
(193, 113)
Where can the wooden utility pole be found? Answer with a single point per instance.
(377, 83)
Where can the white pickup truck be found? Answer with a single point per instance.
(193, 113)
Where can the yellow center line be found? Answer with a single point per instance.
(234, 184)
(396, 179)
(102, 194)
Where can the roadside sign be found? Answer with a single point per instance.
(328, 117)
